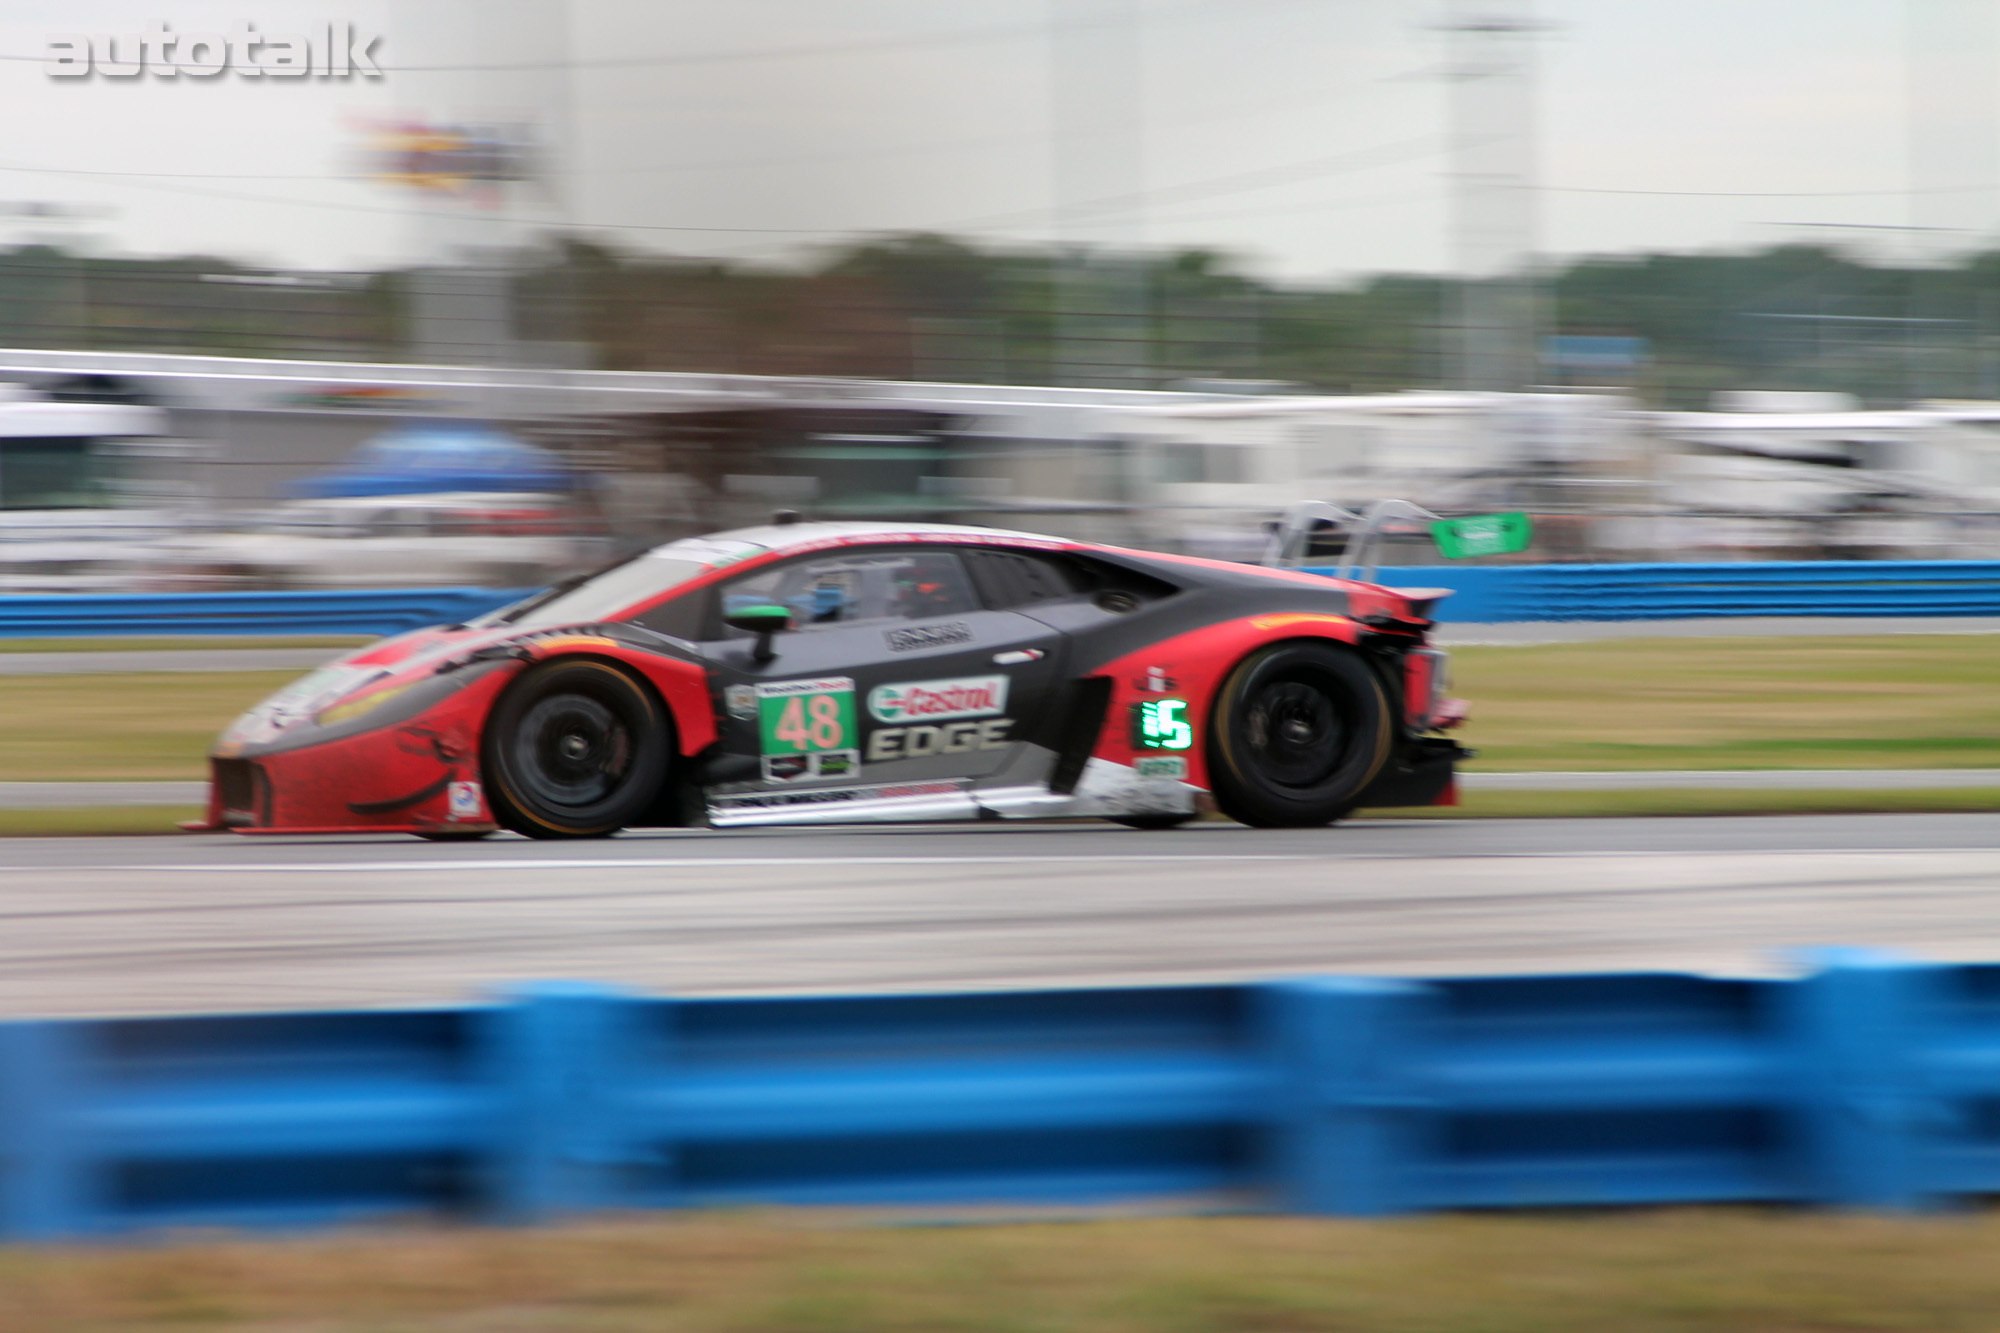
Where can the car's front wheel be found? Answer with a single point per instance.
(575, 749)
(1298, 731)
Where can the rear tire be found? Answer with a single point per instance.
(575, 749)
(1298, 731)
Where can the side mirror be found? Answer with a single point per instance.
(762, 620)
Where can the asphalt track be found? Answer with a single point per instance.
(134, 925)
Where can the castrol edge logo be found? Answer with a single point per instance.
(936, 700)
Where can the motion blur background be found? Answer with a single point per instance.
(1701, 281)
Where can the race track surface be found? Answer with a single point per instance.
(133, 925)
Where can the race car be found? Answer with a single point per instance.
(822, 673)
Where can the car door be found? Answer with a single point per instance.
(895, 672)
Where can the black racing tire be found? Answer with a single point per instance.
(1298, 730)
(1151, 822)
(575, 748)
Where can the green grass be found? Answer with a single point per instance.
(1692, 1271)
(1891, 701)
(1882, 701)
(154, 819)
(120, 726)
(188, 643)
(95, 820)
(1694, 801)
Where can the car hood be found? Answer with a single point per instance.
(388, 666)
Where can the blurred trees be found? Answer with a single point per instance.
(940, 308)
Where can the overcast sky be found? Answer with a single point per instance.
(1309, 136)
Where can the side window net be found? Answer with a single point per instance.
(860, 588)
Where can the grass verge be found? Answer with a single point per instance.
(1666, 1272)
(1697, 801)
(97, 820)
(1888, 701)
(120, 726)
(1870, 701)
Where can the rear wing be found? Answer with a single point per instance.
(1456, 538)
(1291, 536)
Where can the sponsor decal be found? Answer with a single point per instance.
(301, 699)
(919, 789)
(1155, 681)
(1296, 618)
(1160, 766)
(889, 743)
(928, 636)
(548, 642)
(1018, 656)
(365, 398)
(803, 717)
(968, 696)
(740, 701)
(1161, 724)
(826, 796)
(786, 767)
(811, 767)
(351, 709)
(462, 800)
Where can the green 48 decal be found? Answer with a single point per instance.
(806, 716)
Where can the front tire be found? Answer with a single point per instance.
(1298, 731)
(575, 749)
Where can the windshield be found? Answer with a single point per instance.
(604, 594)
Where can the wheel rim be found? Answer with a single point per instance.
(1295, 733)
(571, 751)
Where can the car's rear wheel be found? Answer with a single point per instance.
(1298, 730)
(574, 749)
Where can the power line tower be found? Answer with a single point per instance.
(1494, 317)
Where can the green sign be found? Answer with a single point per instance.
(807, 716)
(1482, 534)
(1161, 724)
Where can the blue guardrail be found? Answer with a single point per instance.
(366, 612)
(1488, 593)
(1871, 1082)
(1481, 593)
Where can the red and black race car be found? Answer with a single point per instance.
(818, 673)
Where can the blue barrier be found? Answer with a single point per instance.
(1868, 1083)
(1481, 593)
(1486, 593)
(368, 612)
